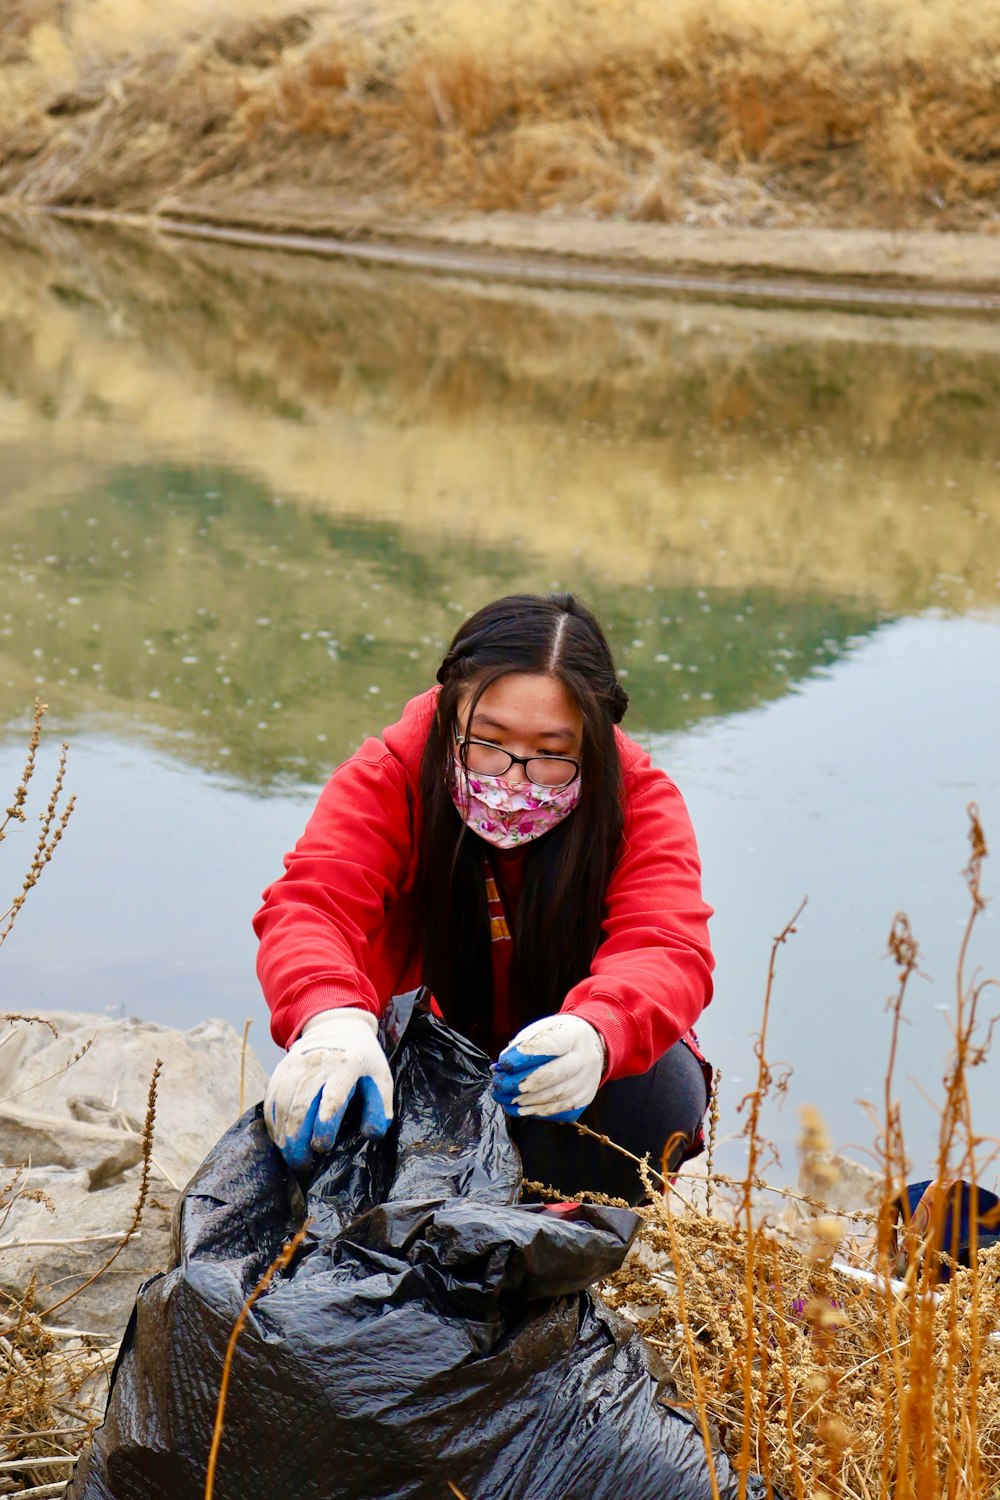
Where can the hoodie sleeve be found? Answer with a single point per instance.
(319, 920)
(650, 978)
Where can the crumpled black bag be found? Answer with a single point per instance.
(431, 1329)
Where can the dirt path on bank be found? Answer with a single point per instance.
(851, 268)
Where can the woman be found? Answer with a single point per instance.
(508, 846)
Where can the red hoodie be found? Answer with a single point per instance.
(338, 927)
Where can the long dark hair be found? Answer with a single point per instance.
(567, 870)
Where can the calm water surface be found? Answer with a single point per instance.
(246, 498)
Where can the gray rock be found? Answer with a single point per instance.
(58, 1141)
(71, 1116)
(63, 1246)
(198, 1096)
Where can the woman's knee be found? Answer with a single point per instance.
(644, 1112)
(641, 1114)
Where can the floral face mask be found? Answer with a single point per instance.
(507, 816)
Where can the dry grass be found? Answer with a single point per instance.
(833, 1366)
(52, 1377)
(846, 112)
(841, 1394)
(51, 824)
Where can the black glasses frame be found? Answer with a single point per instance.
(517, 760)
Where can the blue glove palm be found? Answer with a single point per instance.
(552, 1069)
(336, 1059)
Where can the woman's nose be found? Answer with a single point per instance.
(516, 776)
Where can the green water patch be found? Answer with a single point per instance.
(263, 640)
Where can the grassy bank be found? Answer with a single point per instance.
(841, 114)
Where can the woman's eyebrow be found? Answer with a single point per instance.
(486, 721)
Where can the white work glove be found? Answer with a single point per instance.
(336, 1056)
(552, 1068)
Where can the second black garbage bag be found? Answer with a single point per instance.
(430, 1330)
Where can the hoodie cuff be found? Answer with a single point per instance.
(607, 1019)
(320, 997)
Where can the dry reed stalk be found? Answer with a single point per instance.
(700, 1390)
(148, 1129)
(81, 1051)
(711, 1141)
(553, 1195)
(15, 812)
(243, 1061)
(52, 823)
(16, 1018)
(280, 1262)
(755, 1098)
(45, 1372)
(890, 1148)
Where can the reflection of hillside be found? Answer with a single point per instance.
(266, 640)
(708, 447)
(249, 496)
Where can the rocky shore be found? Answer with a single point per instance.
(73, 1097)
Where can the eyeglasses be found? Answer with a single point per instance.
(484, 759)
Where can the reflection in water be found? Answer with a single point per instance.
(188, 600)
(246, 498)
(248, 493)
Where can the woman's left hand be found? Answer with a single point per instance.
(552, 1068)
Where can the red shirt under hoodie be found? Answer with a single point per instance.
(337, 927)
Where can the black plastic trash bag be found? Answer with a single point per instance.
(430, 1329)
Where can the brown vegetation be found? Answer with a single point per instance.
(281, 1262)
(819, 1358)
(52, 1378)
(52, 823)
(884, 112)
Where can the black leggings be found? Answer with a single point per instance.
(641, 1113)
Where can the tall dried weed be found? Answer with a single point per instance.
(48, 1371)
(848, 1356)
(51, 824)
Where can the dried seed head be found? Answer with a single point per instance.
(828, 1229)
(825, 1173)
(821, 1313)
(814, 1131)
(834, 1432)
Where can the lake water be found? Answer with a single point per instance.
(246, 497)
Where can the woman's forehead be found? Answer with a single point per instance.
(526, 701)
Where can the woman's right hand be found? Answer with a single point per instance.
(336, 1056)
